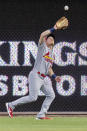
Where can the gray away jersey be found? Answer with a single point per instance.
(44, 59)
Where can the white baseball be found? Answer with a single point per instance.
(66, 7)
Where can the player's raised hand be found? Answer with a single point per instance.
(62, 23)
(55, 27)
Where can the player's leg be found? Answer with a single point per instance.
(35, 84)
(50, 95)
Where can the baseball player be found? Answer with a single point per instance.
(38, 77)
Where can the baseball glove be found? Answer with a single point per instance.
(62, 23)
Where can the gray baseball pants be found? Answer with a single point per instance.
(35, 85)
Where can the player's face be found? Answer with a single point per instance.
(50, 41)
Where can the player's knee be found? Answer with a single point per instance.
(53, 96)
(34, 98)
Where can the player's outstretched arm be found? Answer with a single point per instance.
(62, 23)
(51, 73)
(45, 33)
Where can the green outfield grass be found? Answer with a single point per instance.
(25, 123)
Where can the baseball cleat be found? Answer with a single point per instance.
(43, 118)
(9, 110)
